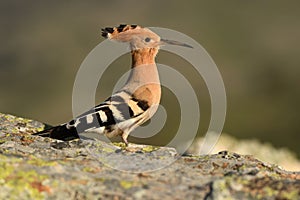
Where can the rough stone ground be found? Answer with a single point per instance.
(263, 151)
(42, 168)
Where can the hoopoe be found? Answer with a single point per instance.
(132, 105)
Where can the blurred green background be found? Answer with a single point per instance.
(255, 44)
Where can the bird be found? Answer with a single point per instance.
(132, 105)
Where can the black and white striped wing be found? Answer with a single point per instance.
(118, 113)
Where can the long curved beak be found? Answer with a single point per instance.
(173, 42)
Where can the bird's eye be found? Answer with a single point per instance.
(147, 39)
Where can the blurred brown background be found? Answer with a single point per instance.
(255, 44)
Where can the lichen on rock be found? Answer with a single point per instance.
(43, 168)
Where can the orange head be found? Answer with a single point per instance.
(137, 36)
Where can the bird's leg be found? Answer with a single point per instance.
(129, 148)
(124, 137)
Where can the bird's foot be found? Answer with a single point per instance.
(124, 137)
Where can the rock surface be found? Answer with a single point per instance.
(42, 168)
(263, 151)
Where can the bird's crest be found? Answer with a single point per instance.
(138, 37)
(112, 32)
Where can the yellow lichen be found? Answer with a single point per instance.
(120, 144)
(22, 183)
(269, 192)
(126, 184)
(25, 184)
(294, 194)
(39, 162)
(107, 150)
(149, 149)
